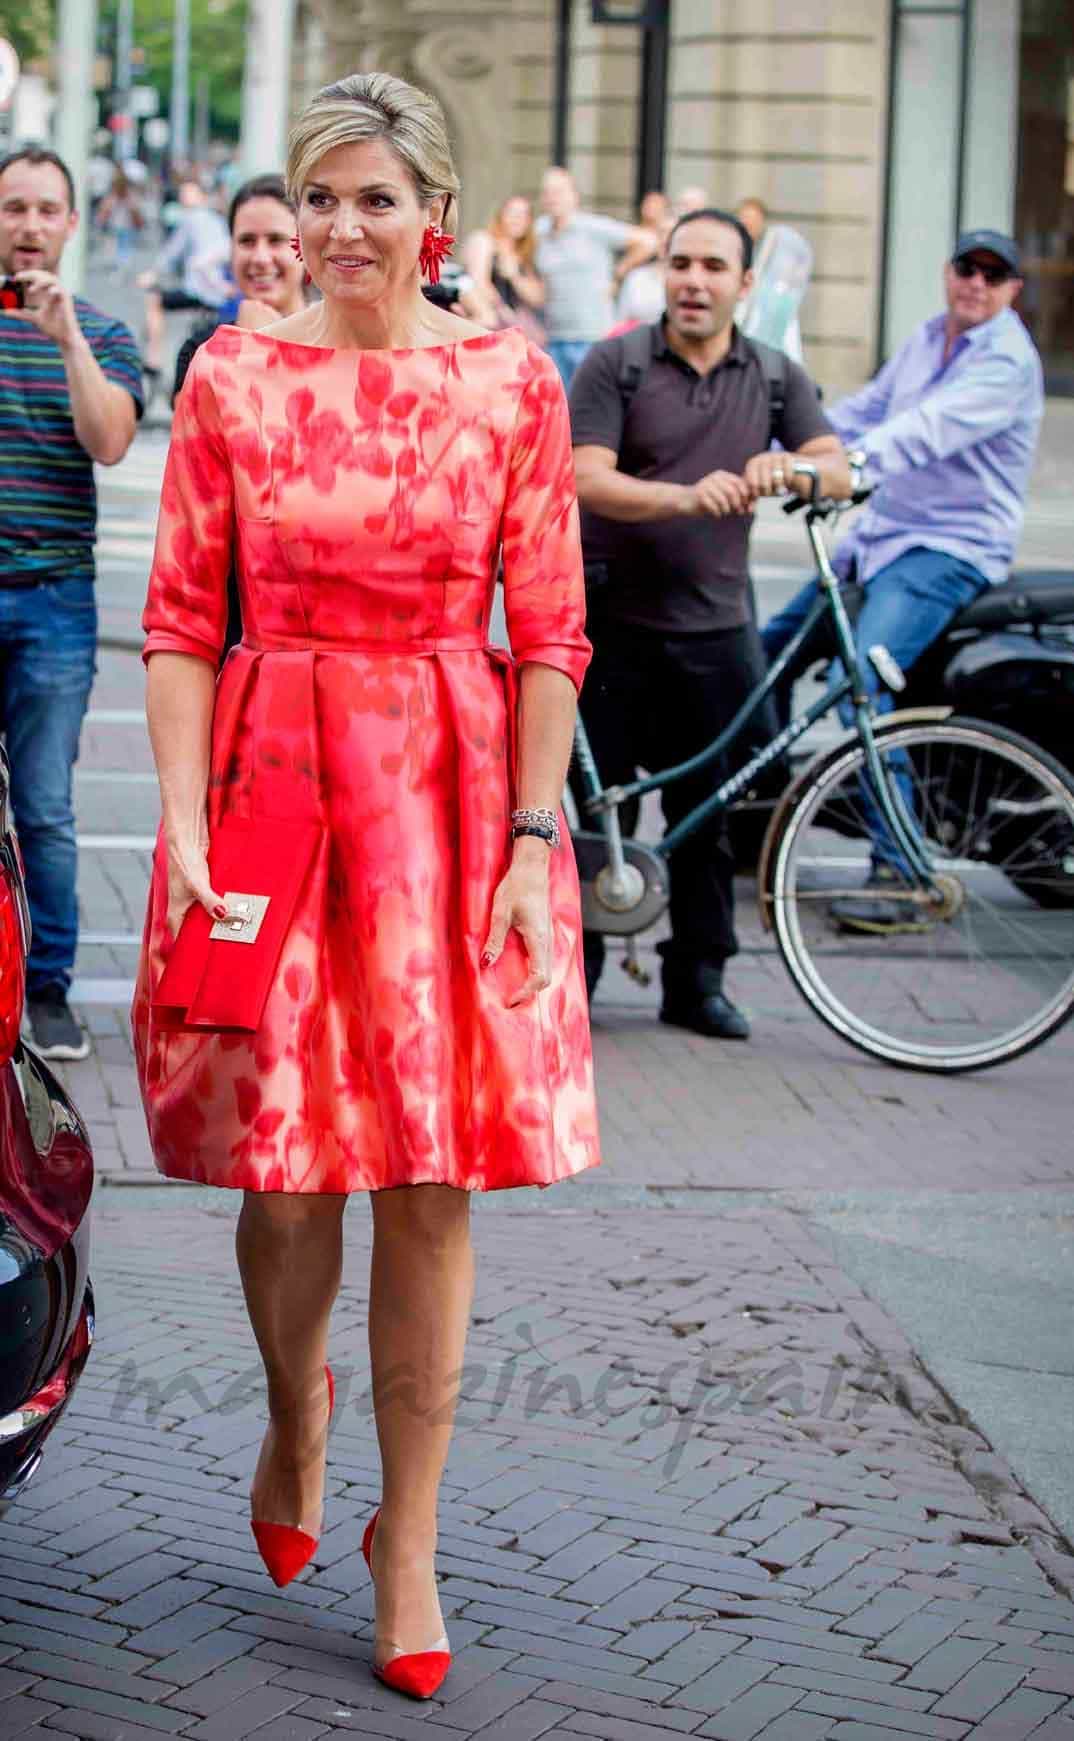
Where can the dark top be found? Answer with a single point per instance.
(504, 289)
(199, 332)
(682, 576)
(48, 496)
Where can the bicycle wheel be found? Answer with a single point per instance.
(980, 971)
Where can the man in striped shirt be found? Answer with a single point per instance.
(70, 394)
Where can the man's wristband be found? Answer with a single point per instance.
(857, 460)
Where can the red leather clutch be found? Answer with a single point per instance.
(219, 973)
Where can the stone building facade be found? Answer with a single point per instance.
(876, 127)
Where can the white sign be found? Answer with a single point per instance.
(9, 72)
(156, 134)
(145, 101)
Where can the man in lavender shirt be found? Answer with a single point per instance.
(947, 433)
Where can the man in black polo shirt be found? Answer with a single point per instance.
(667, 482)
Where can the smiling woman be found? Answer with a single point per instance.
(270, 283)
(422, 1030)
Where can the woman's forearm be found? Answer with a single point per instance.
(531, 289)
(180, 693)
(546, 709)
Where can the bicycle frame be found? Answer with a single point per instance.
(604, 802)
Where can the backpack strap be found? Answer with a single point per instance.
(773, 365)
(636, 355)
(635, 359)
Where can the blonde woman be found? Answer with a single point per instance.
(424, 1033)
(506, 288)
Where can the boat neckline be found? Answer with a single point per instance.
(477, 338)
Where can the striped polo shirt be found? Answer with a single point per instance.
(48, 496)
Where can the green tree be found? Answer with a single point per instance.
(217, 47)
(28, 25)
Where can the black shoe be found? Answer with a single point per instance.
(713, 1015)
(54, 1033)
(883, 913)
(593, 955)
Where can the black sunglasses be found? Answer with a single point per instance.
(992, 275)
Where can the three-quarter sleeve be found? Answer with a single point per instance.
(186, 606)
(544, 588)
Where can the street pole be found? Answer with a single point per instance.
(201, 118)
(266, 85)
(124, 136)
(76, 43)
(180, 107)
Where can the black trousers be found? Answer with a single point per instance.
(649, 701)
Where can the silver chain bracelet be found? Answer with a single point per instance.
(542, 823)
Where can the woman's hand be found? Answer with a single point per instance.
(188, 879)
(522, 902)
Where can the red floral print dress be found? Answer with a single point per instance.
(367, 495)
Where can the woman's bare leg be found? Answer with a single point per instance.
(154, 359)
(421, 1288)
(290, 1252)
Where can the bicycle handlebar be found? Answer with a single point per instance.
(823, 506)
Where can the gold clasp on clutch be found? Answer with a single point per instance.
(245, 913)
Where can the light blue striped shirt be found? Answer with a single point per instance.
(949, 445)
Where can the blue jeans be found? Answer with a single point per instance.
(907, 606)
(48, 641)
(567, 354)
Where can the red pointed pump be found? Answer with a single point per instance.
(420, 1672)
(284, 1549)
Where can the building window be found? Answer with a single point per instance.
(1044, 206)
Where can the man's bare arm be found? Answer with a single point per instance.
(617, 496)
(772, 474)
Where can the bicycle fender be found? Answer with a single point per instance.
(888, 722)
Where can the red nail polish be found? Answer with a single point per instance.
(220, 912)
(486, 959)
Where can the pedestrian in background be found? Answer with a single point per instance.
(270, 282)
(641, 298)
(690, 199)
(269, 278)
(200, 233)
(668, 473)
(576, 255)
(119, 215)
(782, 265)
(947, 432)
(70, 393)
(656, 217)
(505, 288)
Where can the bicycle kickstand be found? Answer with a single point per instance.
(632, 966)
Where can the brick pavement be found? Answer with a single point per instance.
(698, 1485)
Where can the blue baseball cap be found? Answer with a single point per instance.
(990, 242)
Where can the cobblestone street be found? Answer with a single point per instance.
(699, 1484)
(709, 1476)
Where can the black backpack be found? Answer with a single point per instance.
(636, 356)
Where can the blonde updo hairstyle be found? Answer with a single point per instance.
(376, 106)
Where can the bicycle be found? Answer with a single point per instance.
(974, 819)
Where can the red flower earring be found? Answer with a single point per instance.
(296, 249)
(435, 247)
